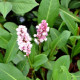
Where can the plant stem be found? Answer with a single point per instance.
(30, 62)
(61, 26)
(40, 48)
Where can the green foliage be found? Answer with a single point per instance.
(11, 50)
(10, 72)
(60, 69)
(11, 27)
(24, 67)
(5, 8)
(60, 41)
(39, 60)
(48, 12)
(22, 6)
(76, 49)
(65, 3)
(46, 60)
(4, 38)
(18, 6)
(74, 4)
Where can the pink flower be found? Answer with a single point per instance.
(24, 40)
(42, 32)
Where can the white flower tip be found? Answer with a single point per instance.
(47, 29)
(44, 33)
(39, 24)
(37, 27)
(41, 40)
(24, 55)
(36, 41)
(35, 35)
(45, 39)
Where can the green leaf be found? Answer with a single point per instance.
(5, 8)
(48, 65)
(61, 74)
(77, 74)
(48, 11)
(11, 27)
(69, 14)
(46, 52)
(4, 38)
(39, 60)
(49, 75)
(60, 41)
(19, 57)
(74, 4)
(65, 3)
(73, 77)
(24, 67)
(22, 6)
(1, 58)
(76, 50)
(47, 44)
(55, 34)
(2, 19)
(33, 53)
(32, 30)
(12, 49)
(72, 26)
(9, 72)
(73, 39)
(78, 64)
(60, 69)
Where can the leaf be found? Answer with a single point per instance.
(11, 27)
(5, 8)
(55, 34)
(69, 14)
(1, 58)
(72, 26)
(47, 44)
(74, 4)
(12, 49)
(73, 77)
(9, 72)
(48, 11)
(48, 65)
(61, 74)
(46, 52)
(49, 75)
(33, 53)
(78, 64)
(2, 19)
(77, 74)
(32, 30)
(65, 3)
(39, 60)
(60, 69)
(76, 50)
(60, 41)
(22, 6)
(19, 57)
(24, 67)
(4, 38)
(73, 39)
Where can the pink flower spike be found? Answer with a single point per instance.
(24, 39)
(42, 32)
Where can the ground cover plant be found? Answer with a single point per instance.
(39, 39)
